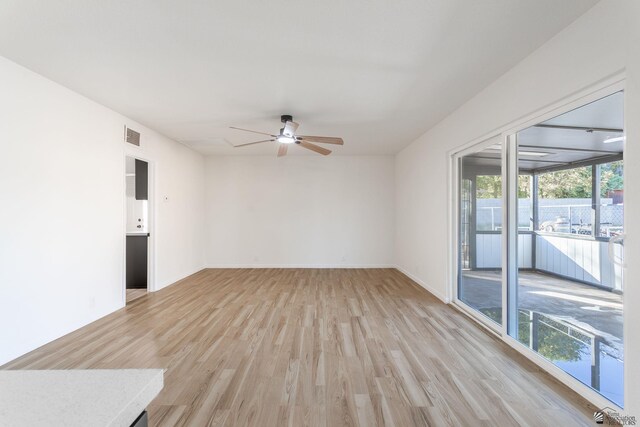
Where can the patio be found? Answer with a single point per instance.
(594, 310)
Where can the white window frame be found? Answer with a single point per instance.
(506, 136)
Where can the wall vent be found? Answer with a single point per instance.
(131, 136)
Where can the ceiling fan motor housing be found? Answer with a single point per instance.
(287, 130)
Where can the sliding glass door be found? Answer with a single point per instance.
(552, 212)
(569, 294)
(479, 275)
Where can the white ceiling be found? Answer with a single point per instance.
(378, 73)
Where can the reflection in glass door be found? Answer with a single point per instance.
(480, 231)
(568, 288)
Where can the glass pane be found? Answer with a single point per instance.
(480, 225)
(611, 199)
(564, 204)
(525, 207)
(489, 202)
(569, 290)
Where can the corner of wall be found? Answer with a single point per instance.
(424, 285)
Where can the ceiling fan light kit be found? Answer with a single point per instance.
(283, 139)
(288, 136)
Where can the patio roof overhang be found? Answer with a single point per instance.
(592, 134)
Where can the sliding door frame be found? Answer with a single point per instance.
(506, 136)
(454, 259)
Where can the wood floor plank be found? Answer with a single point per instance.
(314, 347)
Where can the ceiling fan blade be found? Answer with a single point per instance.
(290, 128)
(315, 148)
(282, 150)
(322, 139)
(253, 131)
(256, 142)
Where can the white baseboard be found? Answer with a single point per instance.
(301, 266)
(176, 279)
(427, 287)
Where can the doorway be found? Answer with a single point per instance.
(137, 228)
(539, 242)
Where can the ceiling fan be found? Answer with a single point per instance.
(287, 136)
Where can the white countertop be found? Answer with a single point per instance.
(95, 397)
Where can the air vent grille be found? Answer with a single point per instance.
(132, 137)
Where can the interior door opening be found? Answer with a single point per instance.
(137, 228)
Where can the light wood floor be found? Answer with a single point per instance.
(315, 347)
(133, 294)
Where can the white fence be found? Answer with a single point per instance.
(578, 211)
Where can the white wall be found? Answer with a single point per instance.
(599, 44)
(300, 211)
(62, 210)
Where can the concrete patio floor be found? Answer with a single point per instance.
(595, 310)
